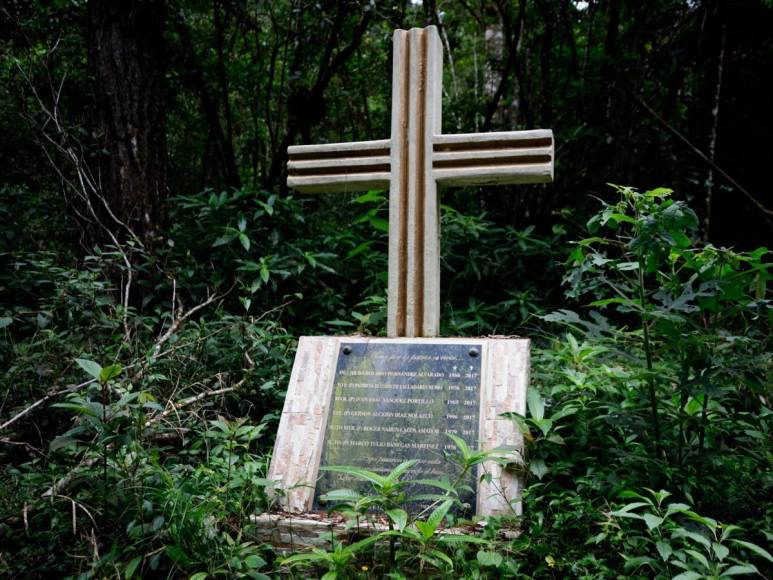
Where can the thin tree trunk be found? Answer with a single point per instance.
(713, 133)
(545, 63)
(127, 53)
(194, 77)
(232, 172)
(309, 103)
(512, 33)
(610, 55)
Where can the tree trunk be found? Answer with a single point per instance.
(126, 49)
(714, 124)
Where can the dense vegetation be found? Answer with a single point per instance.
(156, 275)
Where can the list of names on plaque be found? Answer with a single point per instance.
(398, 401)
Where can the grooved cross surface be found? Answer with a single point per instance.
(411, 164)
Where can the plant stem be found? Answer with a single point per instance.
(648, 359)
(684, 397)
(391, 545)
(701, 441)
(104, 448)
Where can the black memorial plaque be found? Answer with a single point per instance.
(394, 402)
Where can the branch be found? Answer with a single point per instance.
(39, 402)
(675, 132)
(182, 317)
(190, 400)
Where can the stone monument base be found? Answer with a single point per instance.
(376, 402)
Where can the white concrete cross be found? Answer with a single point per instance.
(411, 164)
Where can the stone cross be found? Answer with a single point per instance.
(411, 164)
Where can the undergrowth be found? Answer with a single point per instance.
(141, 395)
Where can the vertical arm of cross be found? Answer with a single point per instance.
(414, 237)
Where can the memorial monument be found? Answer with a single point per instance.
(375, 402)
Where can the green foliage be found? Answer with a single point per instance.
(141, 386)
(157, 444)
(680, 543)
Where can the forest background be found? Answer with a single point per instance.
(156, 273)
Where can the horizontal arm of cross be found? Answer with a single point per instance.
(354, 166)
(493, 158)
(466, 159)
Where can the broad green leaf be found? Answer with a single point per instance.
(659, 495)
(538, 468)
(739, 569)
(536, 404)
(63, 442)
(359, 249)
(687, 576)
(702, 540)
(699, 557)
(108, 373)
(637, 562)
(754, 548)
(728, 530)
(199, 576)
(5, 321)
(89, 409)
(339, 323)
(659, 192)
(91, 368)
(177, 554)
(708, 522)
(315, 555)
(491, 559)
(720, 551)
(132, 567)
(380, 224)
(223, 240)
(676, 507)
(254, 561)
(437, 516)
(544, 425)
(664, 549)
(347, 495)
(399, 517)
(371, 196)
(361, 545)
(631, 506)
(358, 472)
(462, 539)
(398, 471)
(461, 444)
(520, 422)
(434, 555)
(652, 521)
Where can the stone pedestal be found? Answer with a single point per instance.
(379, 401)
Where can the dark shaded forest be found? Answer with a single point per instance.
(156, 273)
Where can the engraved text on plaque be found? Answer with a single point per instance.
(394, 402)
